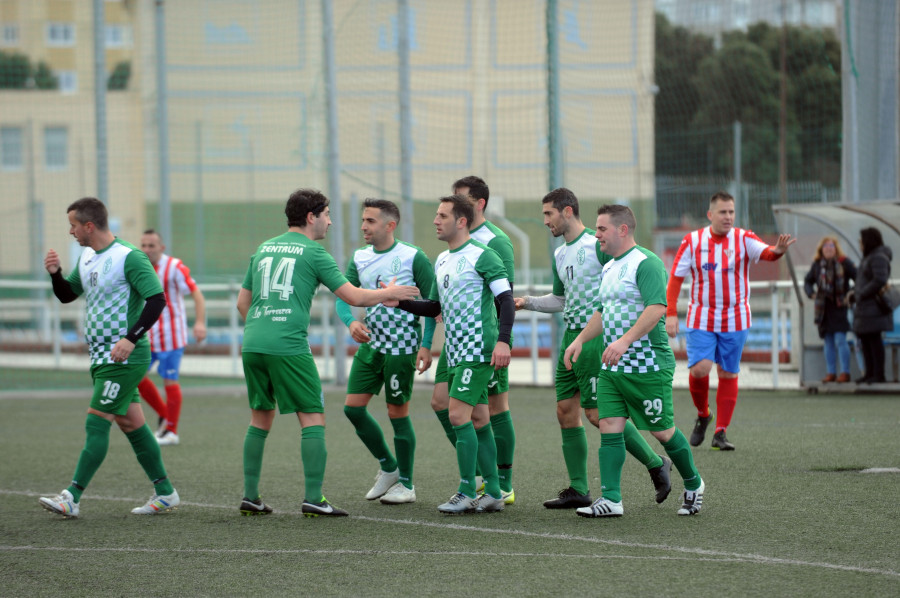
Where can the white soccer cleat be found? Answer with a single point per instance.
(398, 495)
(459, 503)
(488, 504)
(62, 504)
(158, 504)
(602, 507)
(383, 482)
(693, 500)
(167, 438)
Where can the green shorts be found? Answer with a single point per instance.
(290, 382)
(115, 386)
(582, 378)
(372, 368)
(645, 398)
(469, 382)
(498, 384)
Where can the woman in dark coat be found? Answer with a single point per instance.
(827, 283)
(870, 319)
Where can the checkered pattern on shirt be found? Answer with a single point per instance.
(392, 330)
(107, 295)
(579, 270)
(622, 306)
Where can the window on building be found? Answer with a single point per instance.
(11, 148)
(68, 81)
(118, 36)
(56, 148)
(9, 35)
(60, 34)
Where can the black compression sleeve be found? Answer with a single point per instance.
(421, 307)
(507, 315)
(152, 309)
(61, 288)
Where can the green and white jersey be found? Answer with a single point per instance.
(392, 330)
(581, 263)
(491, 235)
(283, 276)
(115, 282)
(630, 282)
(468, 279)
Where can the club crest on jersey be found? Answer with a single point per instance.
(107, 265)
(579, 257)
(729, 253)
(623, 271)
(460, 265)
(395, 265)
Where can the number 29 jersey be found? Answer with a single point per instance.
(283, 277)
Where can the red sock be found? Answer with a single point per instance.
(726, 399)
(173, 401)
(148, 392)
(700, 394)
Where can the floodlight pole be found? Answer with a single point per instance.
(164, 217)
(405, 102)
(554, 133)
(100, 100)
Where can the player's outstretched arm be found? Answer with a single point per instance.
(368, 297)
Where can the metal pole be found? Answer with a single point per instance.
(162, 125)
(200, 257)
(853, 82)
(100, 99)
(782, 116)
(774, 346)
(739, 194)
(554, 133)
(405, 119)
(334, 165)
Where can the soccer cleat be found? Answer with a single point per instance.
(602, 507)
(158, 504)
(569, 498)
(254, 507)
(62, 504)
(693, 500)
(383, 482)
(699, 432)
(323, 507)
(509, 498)
(661, 481)
(488, 504)
(168, 438)
(398, 495)
(459, 503)
(720, 443)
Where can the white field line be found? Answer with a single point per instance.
(704, 554)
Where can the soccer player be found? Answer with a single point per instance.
(718, 258)
(123, 300)
(635, 379)
(168, 336)
(490, 235)
(470, 277)
(389, 351)
(275, 301)
(577, 266)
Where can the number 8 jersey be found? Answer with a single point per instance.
(283, 276)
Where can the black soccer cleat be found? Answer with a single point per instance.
(699, 432)
(661, 480)
(322, 507)
(569, 498)
(254, 507)
(720, 443)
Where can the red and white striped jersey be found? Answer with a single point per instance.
(719, 267)
(170, 331)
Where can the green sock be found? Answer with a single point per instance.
(405, 445)
(637, 446)
(444, 417)
(146, 448)
(505, 438)
(487, 458)
(575, 454)
(371, 435)
(314, 455)
(612, 458)
(466, 456)
(96, 445)
(254, 446)
(679, 451)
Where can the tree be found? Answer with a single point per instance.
(15, 70)
(119, 78)
(44, 77)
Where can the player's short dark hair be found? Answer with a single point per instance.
(462, 207)
(153, 231)
(478, 189)
(870, 239)
(90, 209)
(562, 198)
(388, 208)
(619, 215)
(302, 202)
(720, 196)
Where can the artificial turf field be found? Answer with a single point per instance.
(791, 512)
